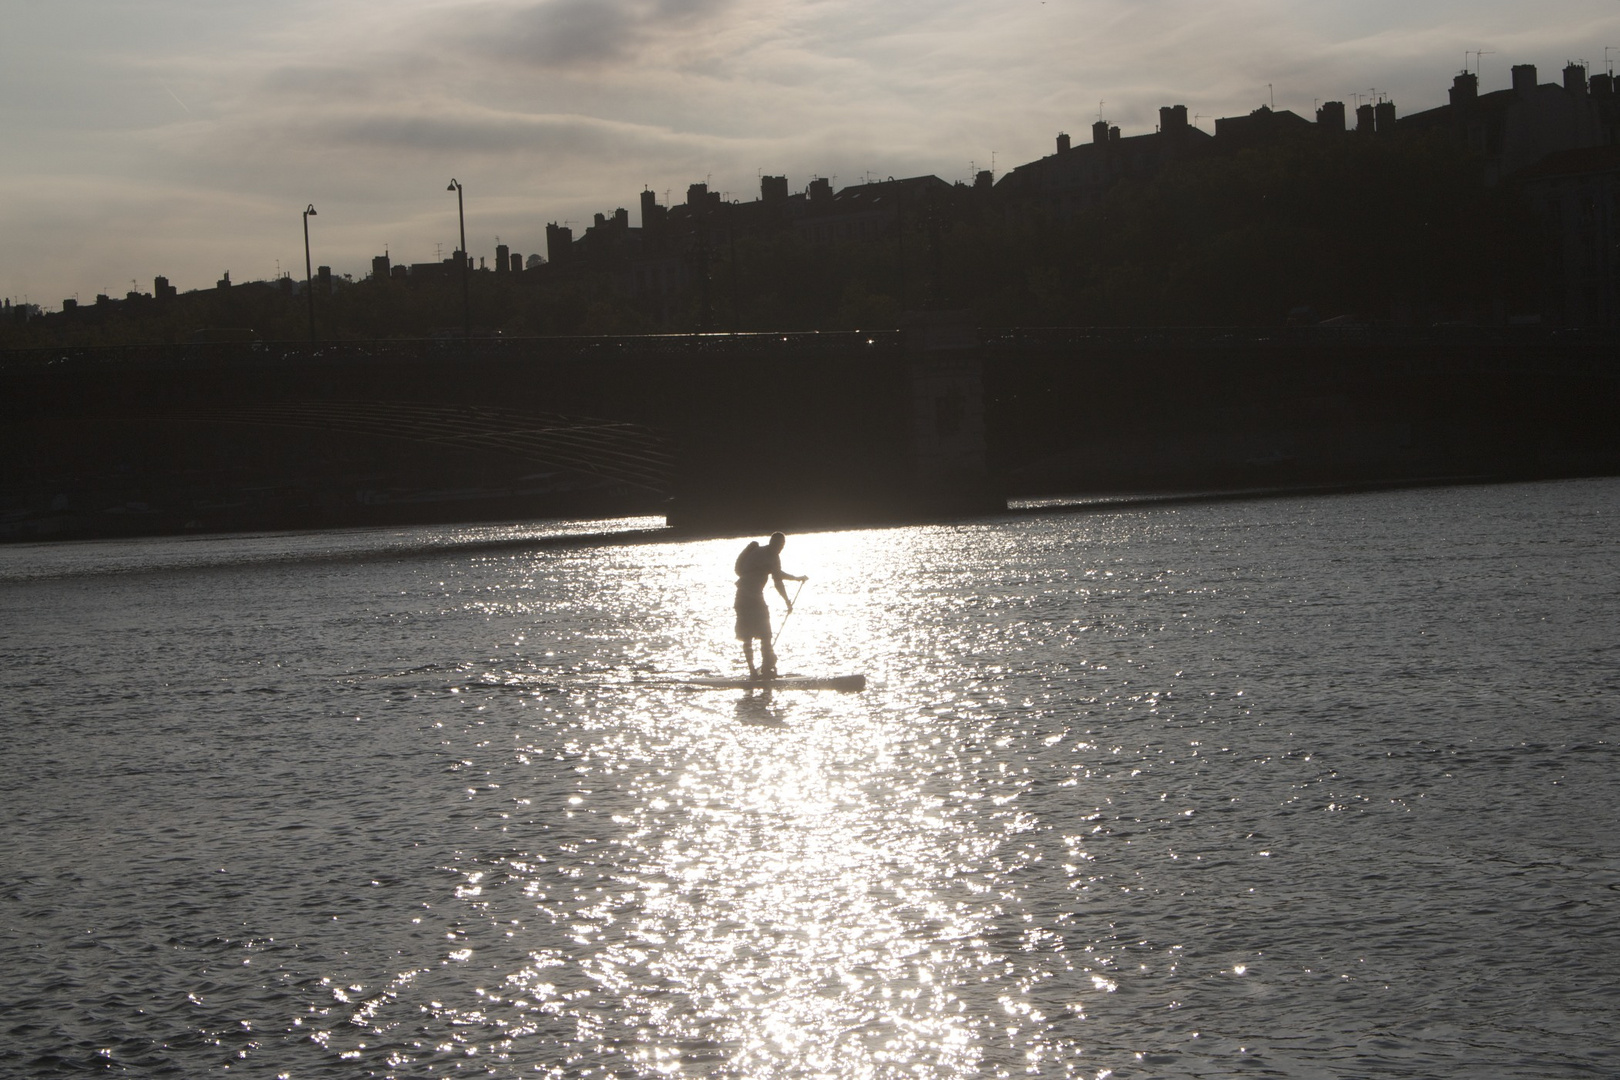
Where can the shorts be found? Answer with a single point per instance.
(754, 621)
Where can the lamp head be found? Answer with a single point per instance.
(311, 211)
(453, 186)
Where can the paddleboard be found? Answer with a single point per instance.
(847, 684)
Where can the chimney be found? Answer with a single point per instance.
(696, 194)
(1172, 118)
(600, 220)
(820, 188)
(1113, 134)
(1575, 78)
(1524, 78)
(559, 241)
(621, 218)
(1063, 142)
(517, 263)
(1464, 88)
(1330, 117)
(984, 181)
(1099, 132)
(1602, 85)
(1364, 119)
(503, 259)
(379, 266)
(1384, 117)
(773, 189)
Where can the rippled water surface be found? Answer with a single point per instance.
(1319, 787)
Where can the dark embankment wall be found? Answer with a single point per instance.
(1182, 410)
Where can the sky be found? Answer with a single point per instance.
(186, 137)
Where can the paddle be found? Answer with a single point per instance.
(791, 604)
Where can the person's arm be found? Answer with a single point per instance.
(781, 576)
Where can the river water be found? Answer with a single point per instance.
(1304, 787)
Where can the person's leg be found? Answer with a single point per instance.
(748, 653)
(767, 656)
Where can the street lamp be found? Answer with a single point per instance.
(466, 303)
(309, 274)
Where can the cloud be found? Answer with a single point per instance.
(326, 82)
(564, 33)
(492, 133)
(583, 34)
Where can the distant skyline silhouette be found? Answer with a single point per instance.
(184, 140)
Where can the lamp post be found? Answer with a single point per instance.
(309, 274)
(466, 302)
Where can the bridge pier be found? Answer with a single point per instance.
(945, 409)
(889, 431)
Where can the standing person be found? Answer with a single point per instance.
(755, 566)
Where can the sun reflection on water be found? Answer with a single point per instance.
(794, 929)
(763, 886)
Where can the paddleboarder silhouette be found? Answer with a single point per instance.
(755, 566)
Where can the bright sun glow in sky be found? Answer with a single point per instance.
(183, 137)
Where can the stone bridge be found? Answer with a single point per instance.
(749, 432)
(715, 431)
(620, 453)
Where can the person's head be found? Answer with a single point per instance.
(777, 540)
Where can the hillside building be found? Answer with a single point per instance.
(1073, 178)
(1515, 128)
